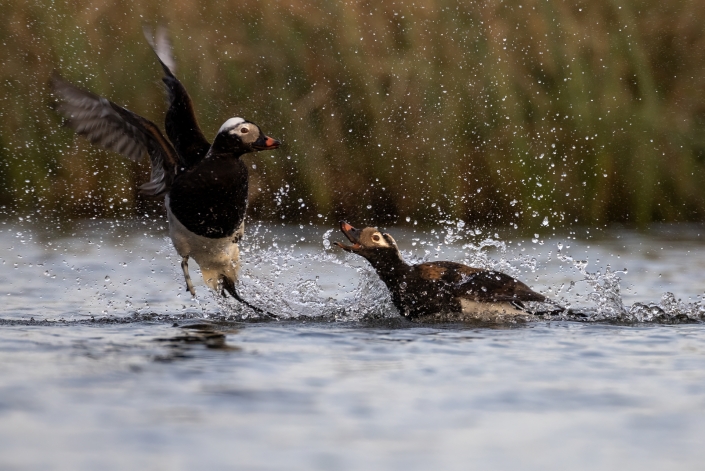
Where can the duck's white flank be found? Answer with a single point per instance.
(505, 309)
(473, 311)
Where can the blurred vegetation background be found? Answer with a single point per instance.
(507, 113)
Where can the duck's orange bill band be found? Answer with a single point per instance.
(271, 143)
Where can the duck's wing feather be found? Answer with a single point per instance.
(477, 284)
(181, 124)
(494, 286)
(112, 127)
(449, 272)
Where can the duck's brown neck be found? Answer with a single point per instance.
(394, 272)
(390, 267)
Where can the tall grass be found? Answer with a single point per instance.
(500, 112)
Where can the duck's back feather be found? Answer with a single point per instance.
(494, 286)
(449, 272)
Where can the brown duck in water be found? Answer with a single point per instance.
(435, 289)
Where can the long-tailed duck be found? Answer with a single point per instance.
(440, 290)
(204, 185)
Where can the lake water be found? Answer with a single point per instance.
(106, 362)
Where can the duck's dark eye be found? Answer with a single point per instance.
(375, 238)
(244, 130)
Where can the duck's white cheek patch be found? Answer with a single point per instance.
(249, 137)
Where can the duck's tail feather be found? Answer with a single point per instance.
(556, 310)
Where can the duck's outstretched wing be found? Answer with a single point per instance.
(180, 122)
(108, 125)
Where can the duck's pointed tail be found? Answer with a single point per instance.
(553, 309)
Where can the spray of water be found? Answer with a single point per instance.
(291, 282)
(606, 304)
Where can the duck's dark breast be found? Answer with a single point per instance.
(211, 199)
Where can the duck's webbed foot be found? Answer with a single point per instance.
(229, 286)
(187, 277)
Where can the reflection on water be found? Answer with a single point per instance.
(106, 363)
(197, 334)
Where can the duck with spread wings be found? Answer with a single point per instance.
(204, 185)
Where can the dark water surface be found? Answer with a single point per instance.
(105, 363)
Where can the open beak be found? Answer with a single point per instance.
(353, 236)
(266, 143)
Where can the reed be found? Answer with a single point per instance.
(497, 112)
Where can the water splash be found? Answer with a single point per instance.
(295, 282)
(282, 279)
(295, 272)
(608, 306)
